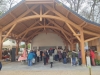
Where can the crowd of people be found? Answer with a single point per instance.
(51, 55)
(48, 56)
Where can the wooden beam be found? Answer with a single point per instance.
(82, 47)
(63, 17)
(9, 32)
(63, 38)
(66, 37)
(23, 36)
(40, 24)
(46, 27)
(76, 34)
(59, 27)
(41, 12)
(28, 28)
(67, 14)
(46, 12)
(31, 2)
(33, 34)
(73, 31)
(87, 40)
(31, 10)
(58, 33)
(82, 23)
(25, 13)
(91, 33)
(12, 15)
(1, 43)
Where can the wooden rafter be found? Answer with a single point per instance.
(41, 12)
(31, 10)
(46, 12)
(28, 28)
(9, 32)
(73, 31)
(63, 17)
(87, 40)
(63, 38)
(66, 37)
(59, 27)
(91, 33)
(46, 27)
(12, 15)
(67, 14)
(82, 23)
(25, 13)
(39, 2)
(23, 36)
(33, 34)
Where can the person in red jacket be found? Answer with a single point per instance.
(92, 55)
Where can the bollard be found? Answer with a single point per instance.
(89, 70)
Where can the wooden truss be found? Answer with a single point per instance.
(43, 16)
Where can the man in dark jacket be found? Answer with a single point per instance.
(74, 57)
(0, 66)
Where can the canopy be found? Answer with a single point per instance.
(8, 44)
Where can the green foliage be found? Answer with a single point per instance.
(97, 62)
(23, 46)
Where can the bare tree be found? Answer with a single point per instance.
(90, 9)
(5, 5)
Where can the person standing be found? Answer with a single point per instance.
(88, 61)
(44, 57)
(31, 55)
(38, 55)
(47, 57)
(79, 56)
(55, 53)
(73, 58)
(51, 59)
(64, 57)
(92, 55)
(41, 54)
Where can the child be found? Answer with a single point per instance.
(0, 66)
(51, 59)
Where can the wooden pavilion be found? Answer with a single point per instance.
(31, 17)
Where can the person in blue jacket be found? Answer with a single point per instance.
(0, 66)
(30, 57)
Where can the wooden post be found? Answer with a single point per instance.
(17, 47)
(0, 43)
(82, 48)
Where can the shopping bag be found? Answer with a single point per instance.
(33, 60)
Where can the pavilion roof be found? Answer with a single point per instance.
(27, 8)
